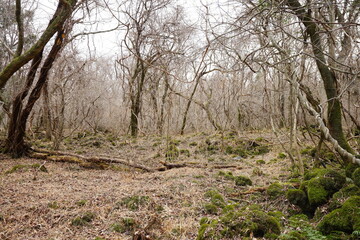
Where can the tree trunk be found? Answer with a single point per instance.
(47, 113)
(15, 144)
(328, 77)
(62, 13)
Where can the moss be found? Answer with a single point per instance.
(257, 172)
(356, 177)
(307, 151)
(211, 208)
(185, 152)
(281, 155)
(294, 235)
(84, 219)
(341, 196)
(94, 165)
(275, 190)
(298, 198)
(345, 219)
(350, 168)
(215, 198)
(260, 162)
(193, 144)
(125, 225)
(317, 194)
(172, 152)
(69, 159)
(276, 214)
(238, 150)
(259, 150)
(227, 175)
(134, 202)
(207, 229)
(242, 181)
(247, 223)
(321, 184)
(81, 203)
(53, 205)
(19, 167)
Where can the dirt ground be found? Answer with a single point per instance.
(44, 205)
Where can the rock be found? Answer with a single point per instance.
(345, 219)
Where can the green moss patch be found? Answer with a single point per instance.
(22, 167)
(125, 225)
(276, 190)
(242, 181)
(134, 202)
(356, 177)
(345, 219)
(84, 219)
(236, 224)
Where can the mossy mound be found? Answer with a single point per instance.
(350, 168)
(236, 224)
(341, 196)
(320, 185)
(242, 181)
(345, 219)
(298, 198)
(276, 190)
(356, 177)
(216, 199)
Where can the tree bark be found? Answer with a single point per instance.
(63, 12)
(328, 77)
(15, 144)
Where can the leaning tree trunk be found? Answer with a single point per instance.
(328, 77)
(63, 12)
(15, 143)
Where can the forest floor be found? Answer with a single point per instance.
(43, 199)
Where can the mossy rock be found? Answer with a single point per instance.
(316, 193)
(242, 181)
(297, 197)
(350, 168)
(275, 190)
(249, 223)
(356, 177)
(321, 184)
(341, 196)
(345, 219)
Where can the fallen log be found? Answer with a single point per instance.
(168, 166)
(76, 158)
(84, 160)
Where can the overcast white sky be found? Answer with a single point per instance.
(105, 44)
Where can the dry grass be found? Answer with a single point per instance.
(40, 205)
